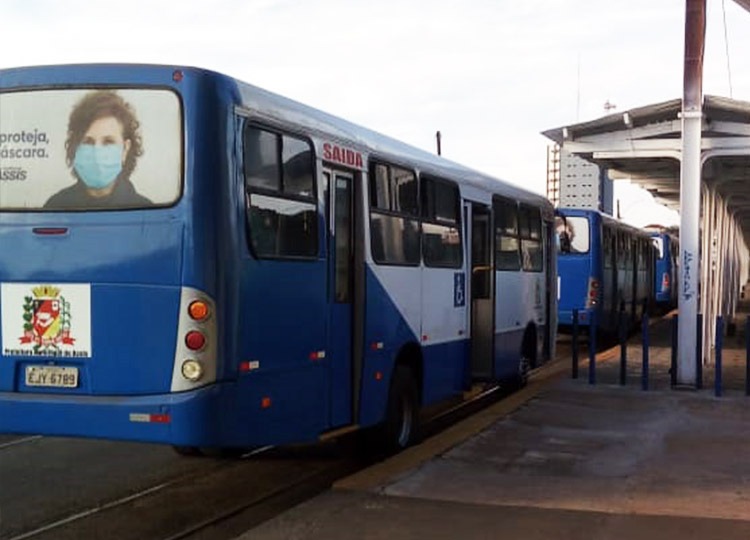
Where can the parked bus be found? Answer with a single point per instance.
(191, 260)
(667, 246)
(605, 269)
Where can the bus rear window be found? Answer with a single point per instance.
(89, 149)
(572, 234)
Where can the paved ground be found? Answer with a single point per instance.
(562, 459)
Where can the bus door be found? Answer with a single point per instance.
(609, 276)
(550, 280)
(482, 292)
(344, 375)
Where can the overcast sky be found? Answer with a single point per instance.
(489, 74)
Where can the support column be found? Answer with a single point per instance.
(690, 190)
(705, 279)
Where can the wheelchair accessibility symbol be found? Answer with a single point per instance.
(459, 290)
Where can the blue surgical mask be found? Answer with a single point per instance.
(98, 166)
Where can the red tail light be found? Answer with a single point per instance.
(665, 282)
(195, 340)
(593, 293)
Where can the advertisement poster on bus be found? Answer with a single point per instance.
(89, 149)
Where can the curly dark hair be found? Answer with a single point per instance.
(103, 104)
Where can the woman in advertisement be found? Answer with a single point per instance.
(102, 148)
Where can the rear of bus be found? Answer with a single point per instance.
(578, 266)
(107, 272)
(664, 282)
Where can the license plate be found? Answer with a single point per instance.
(52, 376)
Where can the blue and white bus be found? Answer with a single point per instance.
(605, 266)
(191, 260)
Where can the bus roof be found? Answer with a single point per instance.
(266, 104)
(606, 218)
(279, 108)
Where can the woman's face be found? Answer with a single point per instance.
(106, 131)
(101, 154)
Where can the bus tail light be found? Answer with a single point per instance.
(192, 370)
(592, 297)
(195, 360)
(198, 310)
(195, 340)
(665, 282)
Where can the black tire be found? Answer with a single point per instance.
(524, 367)
(401, 426)
(520, 378)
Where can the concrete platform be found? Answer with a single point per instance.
(561, 459)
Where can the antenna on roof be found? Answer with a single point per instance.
(578, 89)
(438, 137)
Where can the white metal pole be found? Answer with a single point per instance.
(689, 247)
(690, 190)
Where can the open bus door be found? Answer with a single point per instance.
(482, 291)
(343, 333)
(550, 286)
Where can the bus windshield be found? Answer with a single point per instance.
(89, 149)
(572, 234)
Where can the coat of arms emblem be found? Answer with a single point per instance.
(46, 317)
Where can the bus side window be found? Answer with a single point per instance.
(621, 256)
(261, 229)
(394, 215)
(282, 218)
(507, 253)
(531, 234)
(261, 160)
(376, 240)
(298, 170)
(607, 247)
(441, 224)
(563, 235)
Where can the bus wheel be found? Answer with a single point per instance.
(520, 378)
(402, 415)
(524, 366)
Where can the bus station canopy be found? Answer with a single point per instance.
(644, 145)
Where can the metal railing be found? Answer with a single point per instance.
(625, 338)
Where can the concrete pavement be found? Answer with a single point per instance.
(561, 459)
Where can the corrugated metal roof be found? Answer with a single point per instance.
(714, 108)
(728, 170)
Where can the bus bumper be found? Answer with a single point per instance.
(227, 414)
(565, 317)
(178, 419)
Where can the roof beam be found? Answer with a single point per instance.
(628, 148)
(730, 128)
